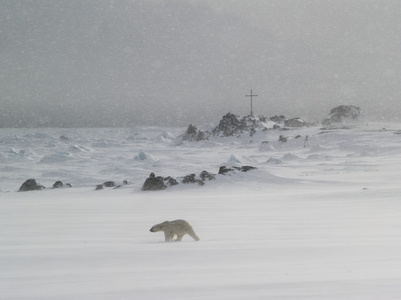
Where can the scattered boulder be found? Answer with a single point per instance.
(31, 185)
(125, 182)
(154, 183)
(205, 175)
(245, 168)
(191, 179)
(342, 113)
(295, 122)
(58, 185)
(282, 139)
(224, 170)
(109, 184)
(170, 181)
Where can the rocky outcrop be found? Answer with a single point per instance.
(342, 114)
(295, 122)
(170, 181)
(193, 134)
(224, 170)
(111, 184)
(230, 125)
(205, 175)
(31, 185)
(154, 183)
(157, 183)
(191, 178)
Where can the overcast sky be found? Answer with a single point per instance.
(172, 62)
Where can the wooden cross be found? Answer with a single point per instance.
(251, 95)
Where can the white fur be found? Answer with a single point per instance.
(177, 227)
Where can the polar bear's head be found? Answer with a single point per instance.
(159, 227)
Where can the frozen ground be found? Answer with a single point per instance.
(315, 222)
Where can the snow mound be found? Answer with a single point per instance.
(238, 161)
(22, 152)
(273, 161)
(318, 157)
(165, 137)
(234, 160)
(266, 146)
(290, 156)
(144, 156)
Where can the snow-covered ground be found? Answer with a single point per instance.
(319, 219)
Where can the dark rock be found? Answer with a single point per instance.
(278, 119)
(205, 175)
(295, 122)
(154, 183)
(276, 127)
(252, 131)
(193, 134)
(59, 185)
(106, 184)
(109, 184)
(230, 125)
(31, 185)
(191, 179)
(282, 139)
(247, 168)
(342, 113)
(224, 170)
(170, 181)
(125, 182)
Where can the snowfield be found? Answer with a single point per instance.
(320, 218)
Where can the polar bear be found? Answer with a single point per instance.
(172, 228)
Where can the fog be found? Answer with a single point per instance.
(170, 63)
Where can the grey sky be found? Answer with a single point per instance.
(170, 62)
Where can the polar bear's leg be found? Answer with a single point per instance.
(179, 237)
(167, 236)
(192, 233)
